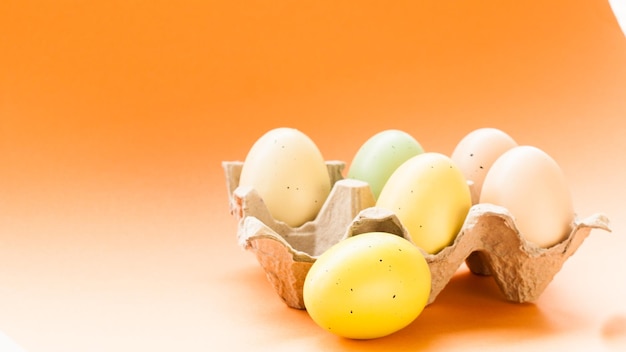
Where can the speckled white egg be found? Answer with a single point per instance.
(531, 185)
(477, 151)
(288, 171)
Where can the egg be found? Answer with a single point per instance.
(431, 198)
(477, 151)
(367, 286)
(531, 185)
(380, 155)
(288, 171)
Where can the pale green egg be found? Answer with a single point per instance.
(380, 155)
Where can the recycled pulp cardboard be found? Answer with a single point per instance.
(489, 241)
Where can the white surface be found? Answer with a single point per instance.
(619, 8)
(7, 345)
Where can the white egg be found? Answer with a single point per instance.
(288, 171)
(531, 185)
(477, 151)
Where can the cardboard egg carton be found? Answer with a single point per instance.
(489, 241)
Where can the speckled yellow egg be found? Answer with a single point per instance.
(367, 286)
(429, 195)
(531, 185)
(288, 171)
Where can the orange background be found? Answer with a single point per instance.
(115, 117)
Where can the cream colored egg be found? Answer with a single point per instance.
(531, 185)
(477, 151)
(288, 171)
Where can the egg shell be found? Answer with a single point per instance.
(367, 286)
(381, 155)
(477, 151)
(430, 195)
(288, 171)
(531, 185)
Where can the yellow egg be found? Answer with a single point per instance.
(367, 286)
(429, 195)
(531, 185)
(288, 171)
(477, 151)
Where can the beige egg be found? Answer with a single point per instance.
(288, 171)
(477, 151)
(531, 185)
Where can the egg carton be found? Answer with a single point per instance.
(489, 242)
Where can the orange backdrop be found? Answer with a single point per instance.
(115, 117)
